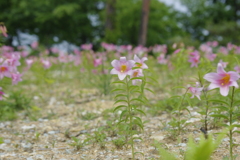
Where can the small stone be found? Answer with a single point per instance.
(7, 141)
(197, 139)
(39, 157)
(30, 158)
(27, 146)
(35, 97)
(182, 144)
(27, 128)
(51, 132)
(157, 136)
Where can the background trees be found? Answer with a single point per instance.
(118, 21)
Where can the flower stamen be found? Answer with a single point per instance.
(123, 68)
(225, 79)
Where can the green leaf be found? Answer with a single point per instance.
(138, 110)
(120, 100)
(236, 131)
(152, 79)
(122, 114)
(119, 107)
(236, 103)
(118, 89)
(136, 78)
(137, 99)
(165, 155)
(223, 108)
(119, 82)
(133, 87)
(219, 116)
(75, 139)
(150, 90)
(218, 101)
(120, 95)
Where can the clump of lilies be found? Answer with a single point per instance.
(9, 61)
(134, 69)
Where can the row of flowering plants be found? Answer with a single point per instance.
(205, 77)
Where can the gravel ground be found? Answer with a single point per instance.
(48, 137)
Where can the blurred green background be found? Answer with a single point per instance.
(91, 21)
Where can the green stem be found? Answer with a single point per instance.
(130, 116)
(206, 114)
(207, 108)
(230, 124)
(179, 113)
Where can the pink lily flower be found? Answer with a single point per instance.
(16, 77)
(46, 64)
(29, 62)
(97, 62)
(222, 79)
(161, 59)
(224, 64)
(122, 67)
(196, 91)
(210, 56)
(194, 60)
(136, 73)
(140, 62)
(4, 71)
(87, 46)
(237, 68)
(34, 45)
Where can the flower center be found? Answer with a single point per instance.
(123, 68)
(139, 65)
(195, 60)
(3, 69)
(135, 74)
(225, 79)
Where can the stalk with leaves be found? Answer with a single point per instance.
(224, 80)
(131, 96)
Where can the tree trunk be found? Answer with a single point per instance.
(110, 11)
(144, 22)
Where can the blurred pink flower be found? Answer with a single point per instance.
(108, 47)
(34, 45)
(237, 68)
(4, 71)
(177, 51)
(196, 91)
(46, 63)
(29, 62)
(223, 50)
(194, 58)
(210, 56)
(122, 67)
(16, 77)
(161, 59)
(140, 50)
(97, 62)
(222, 80)
(136, 73)
(224, 64)
(159, 49)
(62, 57)
(140, 62)
(87, 46)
